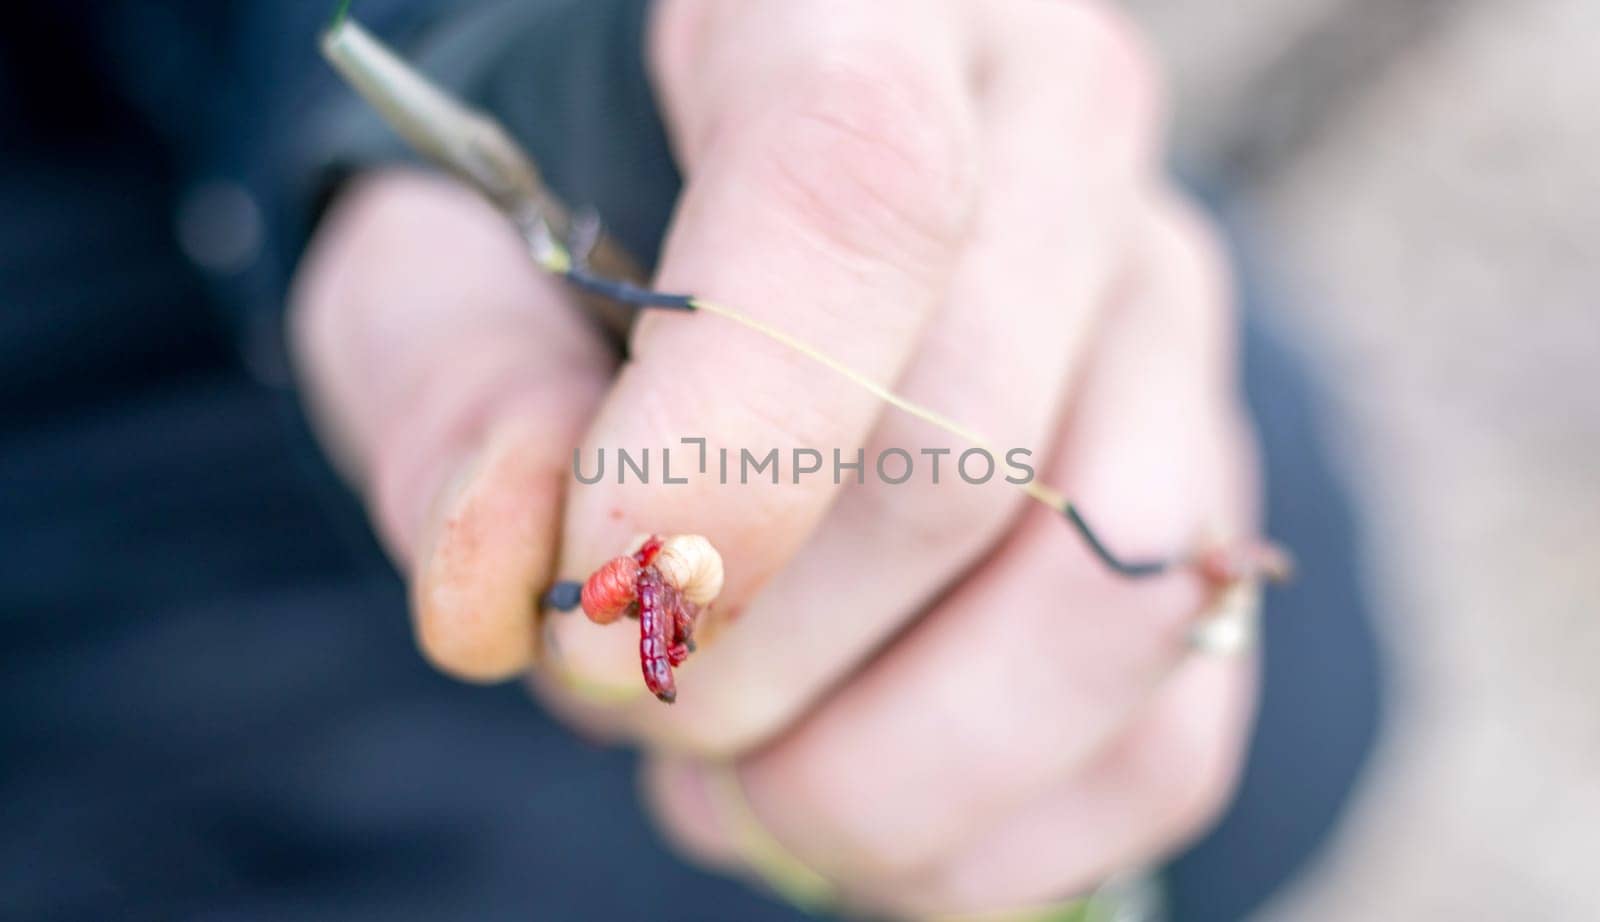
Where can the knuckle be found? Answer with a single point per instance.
(1190, 251)
(1187, 770)
(1119, 48)
(867, 157)
(1198, 800)
(1117, 58)
(1193, 244)
(678, 33)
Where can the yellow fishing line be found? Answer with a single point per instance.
(1043, 494)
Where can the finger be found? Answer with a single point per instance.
(451, 381)
(676, 792)
(1030, 666)
(1158, 784)
(1061, 183)
(1153, 785)
(828, 184)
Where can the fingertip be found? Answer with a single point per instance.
(680, 802)
(485, 557)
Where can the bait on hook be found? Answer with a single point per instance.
(478, 150)
(664, 584)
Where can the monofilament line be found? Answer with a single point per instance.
(1040, 493)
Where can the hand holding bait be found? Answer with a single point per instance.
(667, 583)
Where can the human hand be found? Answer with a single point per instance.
(933, 697)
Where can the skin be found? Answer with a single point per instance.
(932, 695)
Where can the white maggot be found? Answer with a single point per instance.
(693, 565)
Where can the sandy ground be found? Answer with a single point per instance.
(1427, 177)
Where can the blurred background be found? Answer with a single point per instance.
(1422, 179)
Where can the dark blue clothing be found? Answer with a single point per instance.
(212, 705)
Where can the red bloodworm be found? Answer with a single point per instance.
(655, 633)
(609, 593)
(639, 584)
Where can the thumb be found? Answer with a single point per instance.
(450, 381)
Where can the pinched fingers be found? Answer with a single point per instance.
(1066, 115)
(829, 174)
(1062, 186)
(450, 379)
(1022, 678)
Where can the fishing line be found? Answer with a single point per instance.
(642, 298)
